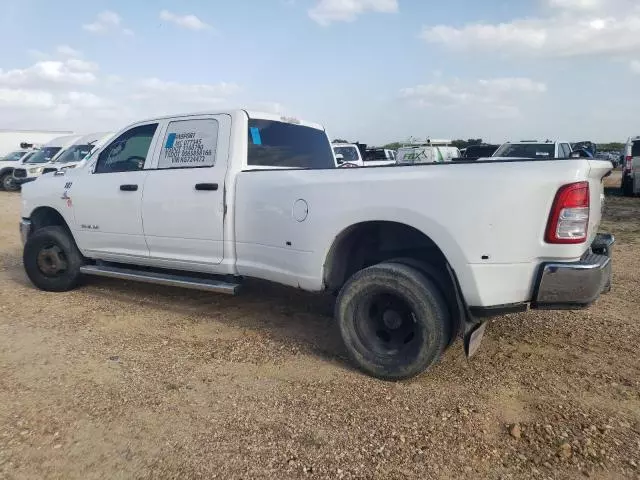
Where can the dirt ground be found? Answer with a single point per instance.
(123, 380)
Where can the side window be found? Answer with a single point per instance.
(189, 143)
(128, 152)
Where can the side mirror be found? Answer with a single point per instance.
(339, 158)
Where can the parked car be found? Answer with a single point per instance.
(533, 149)
(34, 166)
(237, 194)
(378, 157)
(631, 167)
(431, 151)
(347, 155)
(8, 163)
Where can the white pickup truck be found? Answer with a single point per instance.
(417, 254)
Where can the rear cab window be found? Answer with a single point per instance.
(541, 151)
(274, 144)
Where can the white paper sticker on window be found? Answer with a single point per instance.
(189, 143)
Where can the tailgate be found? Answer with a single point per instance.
(598, 170)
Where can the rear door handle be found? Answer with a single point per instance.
(206, 186)
(129, 188)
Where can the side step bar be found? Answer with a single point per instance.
(194, 283)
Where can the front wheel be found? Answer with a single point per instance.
(52, 260)
(7, 183)
(393, 320)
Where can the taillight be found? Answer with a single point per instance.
(569, 217)
(628, 163)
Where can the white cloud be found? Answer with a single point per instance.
(190, 22)
(493, 98)
(67, 51)
(577, 4)
(107, 21)
(328, 11)
(635, 66)
(72, 93)
(10, 97)
(49, 73)
(574, 28)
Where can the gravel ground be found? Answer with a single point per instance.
(123, 380)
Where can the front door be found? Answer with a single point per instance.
(183, 201)
(107, 198)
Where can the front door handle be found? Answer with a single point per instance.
(129, 188)
(207, 186)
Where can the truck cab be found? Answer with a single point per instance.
(347, 155)
(75, 153)
(533, 149)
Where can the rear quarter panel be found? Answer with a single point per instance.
(495, 209)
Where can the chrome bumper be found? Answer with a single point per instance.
(25, 230)
(577, 284)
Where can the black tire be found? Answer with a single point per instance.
(7, 183)
(627, 186)
(394, 321)
(441, 279)
(52, 260)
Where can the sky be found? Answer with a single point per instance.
(373, 71)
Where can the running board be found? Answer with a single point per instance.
(194, 283)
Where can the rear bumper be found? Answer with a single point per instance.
(576, 284)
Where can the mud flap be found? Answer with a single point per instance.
(473, 338)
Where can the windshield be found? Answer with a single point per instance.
(44, 155)
(526, 150)
(74, 154)
(13, 156)
(350, 154)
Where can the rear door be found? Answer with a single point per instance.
(183, 203)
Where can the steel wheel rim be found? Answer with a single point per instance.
(52, 261)
(387, 325)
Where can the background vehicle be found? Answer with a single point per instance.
(418, 254)
(34, 166)
(7, 165)
(350, 154)
(376, 157)
(71, 156)
(479, 151)
(430, 151)
(10, 140)
(534, 150)
(631, 167)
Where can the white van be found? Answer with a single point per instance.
(73, 155)
(347, 155)
(33, 167)
(431, 151)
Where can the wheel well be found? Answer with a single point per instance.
(369, 243)
(47, 217)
